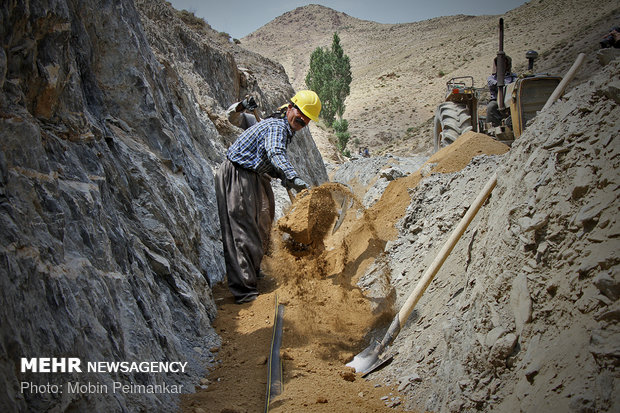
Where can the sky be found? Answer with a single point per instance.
(239, 18)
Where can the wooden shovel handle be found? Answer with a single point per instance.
(428, 276)
(559, 89)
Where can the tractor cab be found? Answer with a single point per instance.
(526, 97)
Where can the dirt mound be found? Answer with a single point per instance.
(457, 156)
(392, 205)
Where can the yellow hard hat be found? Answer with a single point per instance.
(309, 103)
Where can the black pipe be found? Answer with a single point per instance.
(275, 386)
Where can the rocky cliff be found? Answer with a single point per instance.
(111, 127)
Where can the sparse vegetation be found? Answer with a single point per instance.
(341, 127)
(224, 35)
(329, 76)
(193, 21)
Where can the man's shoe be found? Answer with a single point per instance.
(246, 298)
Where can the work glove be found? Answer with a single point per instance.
(298, 184)
(249, 103)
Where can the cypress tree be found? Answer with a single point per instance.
(330, 77)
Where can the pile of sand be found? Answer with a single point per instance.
(392, 205)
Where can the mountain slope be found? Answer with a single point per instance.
(400, 70)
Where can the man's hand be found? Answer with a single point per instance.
(249, 103)
(298, 184)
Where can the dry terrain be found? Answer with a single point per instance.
(112, 126)
(400, 70)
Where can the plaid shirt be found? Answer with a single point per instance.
(262, 148)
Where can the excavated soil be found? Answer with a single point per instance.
(394, 201)
(313, 271)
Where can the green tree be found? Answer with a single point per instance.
(317, 79)
(341, 127)
(330, 77)
(341, 73)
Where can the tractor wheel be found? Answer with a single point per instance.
(451, 121)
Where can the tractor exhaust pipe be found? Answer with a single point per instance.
(501, 67)
(531, 55)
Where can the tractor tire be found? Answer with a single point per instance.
(451, 121)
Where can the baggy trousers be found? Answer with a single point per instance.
(246, 209)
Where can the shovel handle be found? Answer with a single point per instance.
(567, 78)
(430, 273)
(290, 195)
(370, 359)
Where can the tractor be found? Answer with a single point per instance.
(459, 113)
(520, 100)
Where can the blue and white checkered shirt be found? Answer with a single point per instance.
(262, 148)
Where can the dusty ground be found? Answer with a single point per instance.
(314, 273)
(311, 367)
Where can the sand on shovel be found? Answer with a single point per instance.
(312, 215)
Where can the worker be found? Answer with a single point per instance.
(243, 191)
(238, 114)
(494, 115)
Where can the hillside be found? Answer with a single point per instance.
(399, 70)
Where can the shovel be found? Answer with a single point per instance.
(371, 358)
(347, 202)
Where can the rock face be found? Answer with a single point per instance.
(368, 177)
(109, 138)
(524, 314)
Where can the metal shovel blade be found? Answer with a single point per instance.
(343, 212)
(365, 360)
(370, 359)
